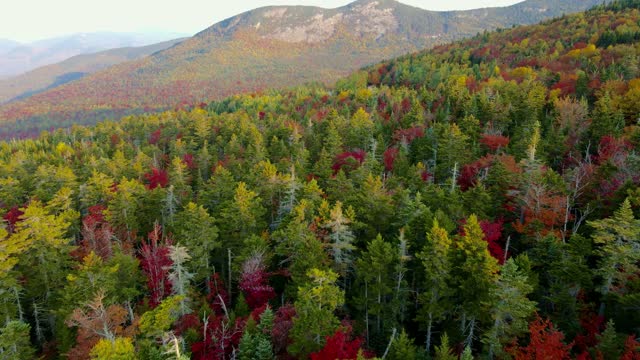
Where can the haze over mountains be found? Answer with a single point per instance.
(51, 76)
(269, 47)
(17, 58)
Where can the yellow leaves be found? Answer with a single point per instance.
(363, 95)
(119, 349)
(533, 144)
(244, 198)
(586, 52)
(523, 73)
(64, 150)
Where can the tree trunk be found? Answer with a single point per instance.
(366, 309)
(429, 326)
(472, 325)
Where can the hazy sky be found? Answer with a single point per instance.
(28, 20)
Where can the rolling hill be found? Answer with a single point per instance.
(51, 76)
(20, 58)
(482, 195)
(268, 47)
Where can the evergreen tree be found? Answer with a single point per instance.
(375, 278)
(510, 308)
(474, 277)
(315, 319)
(15, 342)
(618, 238)
(435, 257)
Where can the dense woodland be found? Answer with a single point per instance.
(254, 51)
(476, 201)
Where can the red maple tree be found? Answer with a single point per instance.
(155, 264)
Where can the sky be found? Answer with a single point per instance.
(29, 20)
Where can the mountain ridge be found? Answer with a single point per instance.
(24, 57)
(269, 47)
(47, 77)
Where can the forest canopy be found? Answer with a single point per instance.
(479, 200)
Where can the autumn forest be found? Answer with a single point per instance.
(480, 200)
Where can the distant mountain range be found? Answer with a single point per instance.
(269, 47)
(51, 76)
(17, 58)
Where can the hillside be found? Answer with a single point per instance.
(6, 46)
(20, 58)
(51, 76)
(477, 201)
(266, 48)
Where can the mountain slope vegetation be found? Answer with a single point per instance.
(51, 76)
(480, 200)
(271, 47)
(18, 58)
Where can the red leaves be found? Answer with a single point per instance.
(155, 137)
(156, 178)
(546, 343)
(282, 324)
(218, 297)
(389, 157)
(222, 337)
(408, 135)
(96, 233)
(493, 235)
(494, 142)
(348, 161)
(339, 346)
(187, 159)
(12, 217)
(613, 149)
(155, 264)
(631, 349)
(254, 283)
(593, 325)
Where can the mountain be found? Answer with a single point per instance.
(483, 194)
(24, 57)
(51, 76)
(274, 46)
(7, 45)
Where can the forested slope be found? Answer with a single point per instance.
(266, 48)
(480, 199)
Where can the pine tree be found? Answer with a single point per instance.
(618, 238)
(315, 319)
(435, 257)
(610, 345)
(374, 271)
(475, 276)
(15, 342)
(510, 308)
(340, 238)
(443, 351)
(402, 348)
(179, 276)
(298, 245)
(195, 229)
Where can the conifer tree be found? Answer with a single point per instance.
(618, 238)
(15, 341)
(435, 257)
(510, 308)
(474, 277)
(375, 276)
(315, 319)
